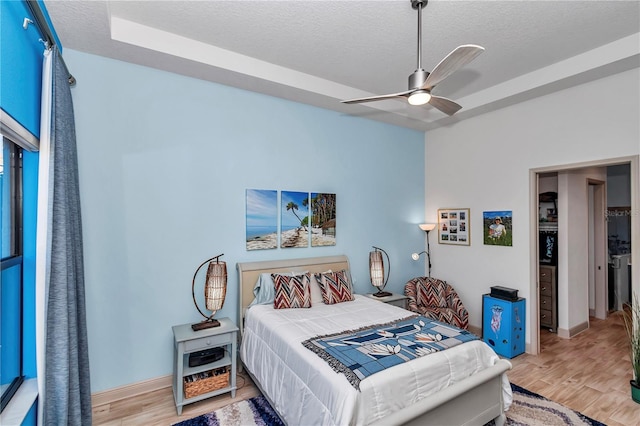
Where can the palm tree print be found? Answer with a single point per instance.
(293, 207)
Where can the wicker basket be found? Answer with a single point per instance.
(207, 381)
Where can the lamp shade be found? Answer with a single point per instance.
(215, 288)
(376, 271)
(416, 256)
(426, 227)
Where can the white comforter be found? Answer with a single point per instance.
(304, 388)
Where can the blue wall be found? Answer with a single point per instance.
(165, 161)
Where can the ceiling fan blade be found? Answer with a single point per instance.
(378, 98)
(459, 57)
(445, 105)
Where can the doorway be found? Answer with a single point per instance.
(597, 261)
(582, 257)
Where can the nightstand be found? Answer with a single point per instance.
(395, 299)
(185, 342)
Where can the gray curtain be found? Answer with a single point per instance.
(67, 398)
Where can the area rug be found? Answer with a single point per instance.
(528, 409)
(248, 412)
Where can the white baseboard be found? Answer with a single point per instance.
(568, 334)
(133, 389)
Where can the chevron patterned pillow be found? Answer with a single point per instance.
(292, 291)
(335, 286)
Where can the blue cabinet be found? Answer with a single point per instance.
(503, 325)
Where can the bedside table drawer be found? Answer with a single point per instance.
(399, 300)
(402, 303)
(207, 342)
(545, 289)
(545, 318)
(546, 274)
(545, 303)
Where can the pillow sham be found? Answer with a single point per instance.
(316, 291)
(263, 291)
(336, 287)
(291, 291)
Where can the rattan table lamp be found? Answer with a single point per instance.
(215, 290)
(376, 271)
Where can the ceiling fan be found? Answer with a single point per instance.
(421, 82)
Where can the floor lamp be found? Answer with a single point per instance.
(426, 227)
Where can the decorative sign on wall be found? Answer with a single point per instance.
(498, 228)
(323, 219)
(294, 219)
(262, 219)
(301, 218)
(454, 227)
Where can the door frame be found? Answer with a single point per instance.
(599, 245)
(534, 307)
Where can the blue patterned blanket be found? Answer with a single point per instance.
(360, 353)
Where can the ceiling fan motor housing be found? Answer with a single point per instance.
(417, 78)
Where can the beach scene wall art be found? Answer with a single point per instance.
(498, 228)
(262, 219)
(294, 219)
(323, 219)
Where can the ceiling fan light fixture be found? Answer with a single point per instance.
(419, 97)
(421, 82)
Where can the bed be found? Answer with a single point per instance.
(463, 385)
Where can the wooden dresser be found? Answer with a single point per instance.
(548, 298)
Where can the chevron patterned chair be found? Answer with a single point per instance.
(437, 300)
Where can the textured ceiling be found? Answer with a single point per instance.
(319, 52)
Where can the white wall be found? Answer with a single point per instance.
(483, 163)
(165, 161)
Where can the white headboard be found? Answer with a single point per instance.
(249, 272)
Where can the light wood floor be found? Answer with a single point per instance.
(589, 373)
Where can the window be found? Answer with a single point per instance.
(11, 281)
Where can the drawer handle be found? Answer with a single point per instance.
(544, 302)
(543, 275)
(208, 342)
(543, 316)
(543, 288)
